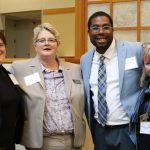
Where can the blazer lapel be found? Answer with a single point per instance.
(35, 66)
(121, 61)
(67, 79)
(88, 65)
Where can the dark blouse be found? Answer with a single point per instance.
(11, 111)
(143, 139)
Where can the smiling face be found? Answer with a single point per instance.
(2, 50)
(101, 33)
(46, 45)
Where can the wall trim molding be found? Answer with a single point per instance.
(58, 10)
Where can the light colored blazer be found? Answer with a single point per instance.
(128, 79)
(35, 100)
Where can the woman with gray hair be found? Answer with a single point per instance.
(141, 116)
(54, 96)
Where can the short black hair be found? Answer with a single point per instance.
(99, 13)
(2, 37)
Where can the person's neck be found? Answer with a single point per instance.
(51, 64)
(101, 51)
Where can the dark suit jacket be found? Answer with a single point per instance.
(11, 111)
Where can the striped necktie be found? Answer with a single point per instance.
(102, 105)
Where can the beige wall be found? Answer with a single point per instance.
(7, 6)
(65, 24)
(48, 4)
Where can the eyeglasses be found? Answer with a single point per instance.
(43, 41)
(96, 28)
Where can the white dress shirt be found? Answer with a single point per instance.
(116, 115)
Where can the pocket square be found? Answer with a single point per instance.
(76, 81)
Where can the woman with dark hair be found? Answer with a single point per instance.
(2, 46)
(11, 105)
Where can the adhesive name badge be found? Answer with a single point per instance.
(13, 79)
(31, 79)
(131, 63)
(145, 127)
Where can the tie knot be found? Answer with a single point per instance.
(102, 58)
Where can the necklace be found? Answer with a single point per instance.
(146, 115)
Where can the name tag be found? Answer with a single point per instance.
(145, 127)
(131, 63)
(31, 79)
(13, 79)
(76, 81)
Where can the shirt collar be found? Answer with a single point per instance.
(48, 70)
(110, 52)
